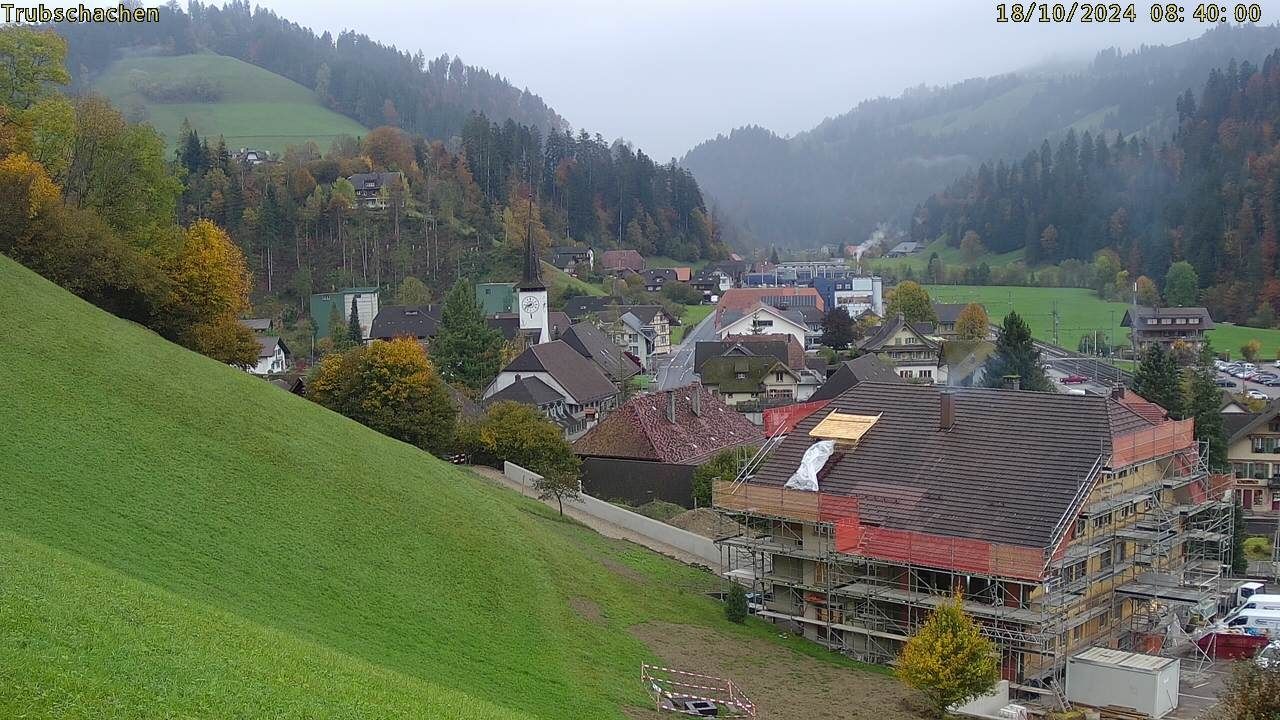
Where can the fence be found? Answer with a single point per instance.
(696, 545)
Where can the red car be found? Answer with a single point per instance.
(1074, 379)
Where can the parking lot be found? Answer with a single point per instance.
(1243, 386)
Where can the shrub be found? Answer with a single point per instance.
(735, 604)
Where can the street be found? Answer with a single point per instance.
(677, 369)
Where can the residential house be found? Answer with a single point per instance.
(273, 356)
(593, 344)
(260, 325)
(547, 400)
(966, 361)
(866, 368)
(795, 356)
(250, 156)
(496, 298)
(753, 381)
(587, 391)
(656, 278)
(372, 188)
(1166, 326)
(762, 319)
(651, 320)
(910, 348)
(615, 260)
(744, 299)
(1253, 450)
(904, 249)
(413, 321)
(573, 259)
(777, 345)
(649, 448)
(331, 304)
(947, 314)
(711, 284)
(733, 268)
(1066, 522)
(580, 306)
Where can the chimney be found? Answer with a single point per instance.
(946, 409)
(696, 396)
(671, 406)
(1117, 392)
(1012, 382)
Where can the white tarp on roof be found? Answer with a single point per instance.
(806, 476)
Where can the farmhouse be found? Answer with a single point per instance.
(1067, 521)
(910, 348)
(615, 260)
(273, 356)
(649, 448)
(1166, 326)
(374, 188)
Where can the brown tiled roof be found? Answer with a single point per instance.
(795, 351)
(1140, 405)
(629, 259)
(641, 430)
(581, 378)
(1007, 470)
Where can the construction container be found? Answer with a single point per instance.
(1145, 683)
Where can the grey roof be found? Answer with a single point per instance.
(889, 328)
(580, 377)
(415, 321)
(557, 323)
(948, 312)
(267, 346)
(1143, 312)
(1008, 469)
(527, 391)
(591, 343)
(1233, 423)
(906, 247)
(373, 180)
(507, 325)
(258, 324)
(867, 368)
(704, 351)
(1257, 420)
(580, 305)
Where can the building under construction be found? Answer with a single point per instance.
(1066, 521)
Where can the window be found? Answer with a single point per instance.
(1181, 321)
(926, 373)
(1102, 521)
(904, 373)
(777, 377)
(1104, 619)
(1080, 527)
(1104, 560)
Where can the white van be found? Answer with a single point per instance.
(1261, 602)
(1255, 622)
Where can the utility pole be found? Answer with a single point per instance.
(1055, 324)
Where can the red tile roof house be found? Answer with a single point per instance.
(649, 448)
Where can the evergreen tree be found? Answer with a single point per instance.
(354, 334)
(1016, 354)
(838, 329)
(736, 607)
(1156, 379)
(1202, 404)
(339, 334)
(465, 350)
(1239, 533)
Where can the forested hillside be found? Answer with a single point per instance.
(372, 83)
(835, 183)
(1208, 197)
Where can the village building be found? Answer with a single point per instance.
(1167, 326)
(373, 188)
(1067, 522)
(327, 305)
(649, 448)
(763, 319)
(572, 259)
(587, 392)
(910, 348)
(273, 356)
(1253, 449)
(616, 260)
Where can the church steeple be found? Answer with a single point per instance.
(532, 277)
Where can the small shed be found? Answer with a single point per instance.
(1101, 676)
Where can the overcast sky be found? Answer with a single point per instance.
(667, 74)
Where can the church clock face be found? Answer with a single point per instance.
(530, 305)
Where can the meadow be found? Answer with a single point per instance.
(257, 108)
(181, 539)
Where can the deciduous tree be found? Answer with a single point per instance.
(949, 660)
(973, 323)
(1251, 350)
(911, 300)
(520, 434)
(838, 329)
(1251, 693)
(1181, 285)
(971, 246)
(412, 291)
(390, 387)
(30, 60)
(725, 465)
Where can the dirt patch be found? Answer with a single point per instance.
(586, 609)
(618, 568)
(705, 522)
(780, 681)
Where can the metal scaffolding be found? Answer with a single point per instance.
(864, 590)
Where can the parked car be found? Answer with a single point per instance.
(1225, 383)
(1255, 395)
(1074, 379)
(1272, 381)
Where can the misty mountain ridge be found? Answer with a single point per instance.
(834, 183)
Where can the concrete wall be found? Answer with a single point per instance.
(696, 545)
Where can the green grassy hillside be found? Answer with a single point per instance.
(179, 539)
(950, 256)
(257, 108)
(1081, 311)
